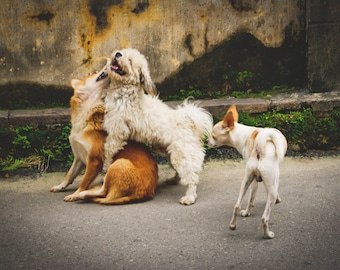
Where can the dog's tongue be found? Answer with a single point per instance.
(114, 67)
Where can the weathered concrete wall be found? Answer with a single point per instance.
(323, 45)
(49, 42)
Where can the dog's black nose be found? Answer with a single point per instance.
(118, 54)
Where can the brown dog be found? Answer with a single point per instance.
(132, 176)
(134, 173)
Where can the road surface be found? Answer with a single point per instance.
(38, 230)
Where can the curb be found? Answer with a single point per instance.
(319, 102)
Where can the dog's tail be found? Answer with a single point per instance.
(201, 120)
(274, 135)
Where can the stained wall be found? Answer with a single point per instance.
(49, 42)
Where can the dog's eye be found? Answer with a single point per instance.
(118, 54)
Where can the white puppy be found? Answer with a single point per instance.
(263, 150)
(133, 114)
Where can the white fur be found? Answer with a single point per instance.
(132, 114)
(263, 149)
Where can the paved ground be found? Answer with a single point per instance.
(40, 231)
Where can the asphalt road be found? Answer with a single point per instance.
(38, 230)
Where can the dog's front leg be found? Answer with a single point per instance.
(247, 180)
(72, 173)
(190, 195)
(94, 166)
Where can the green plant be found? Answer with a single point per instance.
(20, 138)
(10, 163)
(244, 78)
(300, 127)
(61, 148)
(28, 146)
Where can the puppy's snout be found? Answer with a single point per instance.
(118, 54)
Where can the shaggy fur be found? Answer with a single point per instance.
(263, 149)
(133, 114)
(134, 174)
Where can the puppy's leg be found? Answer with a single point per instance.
(72, 173)
(247, 180)
(253, 189)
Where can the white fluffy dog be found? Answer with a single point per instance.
(133, 114)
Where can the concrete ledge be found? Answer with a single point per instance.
(319, 102)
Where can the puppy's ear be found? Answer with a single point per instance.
(146, 80)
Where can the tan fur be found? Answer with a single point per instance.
(263, 150)
(132, 177)
(87, 141)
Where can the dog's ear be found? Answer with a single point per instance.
(232, 109)
(228, 121)
(230, 117)
(147, 82)
(75, 83)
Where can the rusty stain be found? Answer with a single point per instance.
(188, 43)
(99, 10)
(141, 7)
(43, 16)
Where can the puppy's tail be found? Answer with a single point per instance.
(201, 120)
(274, 135)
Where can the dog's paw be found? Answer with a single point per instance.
(81, 195)
(232, 227)
(71, 198)
(57, 188)
(278, 199)
(244, 213)
(269, 235)
(187, 200)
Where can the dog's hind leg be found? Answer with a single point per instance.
(119, 201)
(72, 173)
(92, 193)
(247, 180)
(271, 183)
(271, 199)
(253, 189)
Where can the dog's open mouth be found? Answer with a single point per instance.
(101, 76)
(115, 67)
